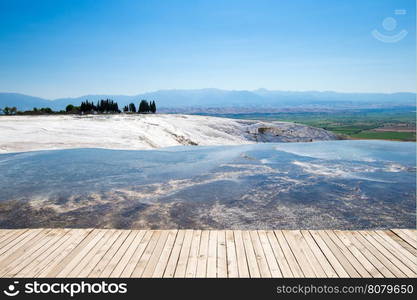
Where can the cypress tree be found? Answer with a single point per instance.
(153, 107)
(132, 107)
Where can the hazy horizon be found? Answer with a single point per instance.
(203, 89)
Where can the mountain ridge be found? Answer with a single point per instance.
(217, 98)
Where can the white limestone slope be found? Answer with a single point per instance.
(29, 133)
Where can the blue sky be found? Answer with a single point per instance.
(71, 47)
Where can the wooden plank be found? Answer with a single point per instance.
(370, 262)
(28, 243)
(232, 268)
(41, 245)
(196, 253)
(134, 260)
(406, 237)
(10, 236)
(212, 255)
(293, 241)
(391, 257)
(269, 255)
(47, 255)
(380, 256)
(242, 263)
(185, 250)
(402, 242)
(115, 260)
(254, 271)
(411, 233)
(318, 254)
(203, 254)
(153, 260)
(163, 260)
(350, 257)
(260, 255)
(63, 254)
(5, 237)
(289, 256)
(100, 253)
(308, 253)
(394, 248)
(105, 260)
(143, 261)
(15, 243)
(79, 255)
(191, 270)
(175, 254)
(19, 251)
(329, 255)
(118, 254)
(76, 249)
(131, 249)
(406, 254)
(221, 254)
(4, 232)
(279, 255)
(90, 255)
(343, 260)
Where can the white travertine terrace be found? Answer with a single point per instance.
(136, 132)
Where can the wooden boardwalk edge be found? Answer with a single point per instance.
(111, 253)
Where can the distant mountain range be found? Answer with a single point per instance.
(211, 99)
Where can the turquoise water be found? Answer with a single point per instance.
(334, 184)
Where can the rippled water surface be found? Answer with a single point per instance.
(335, 184)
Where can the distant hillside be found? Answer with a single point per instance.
(22, 101)
(201, 99)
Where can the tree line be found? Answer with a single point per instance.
(106, 106)
(35, 111)
(9, 110)
(143, 108)
(102, 106)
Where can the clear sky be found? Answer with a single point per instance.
(69, 48)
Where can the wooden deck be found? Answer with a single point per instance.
(207, 253)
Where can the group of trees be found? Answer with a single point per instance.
(87, 107)
(43, 110)
(9, 110)
(102, 106)
(13, 111)
(144, 107)
(34, 111)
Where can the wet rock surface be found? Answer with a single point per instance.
(336, 184)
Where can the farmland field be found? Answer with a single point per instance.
(384, 124)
